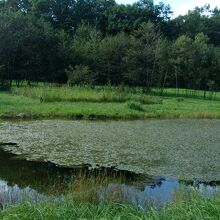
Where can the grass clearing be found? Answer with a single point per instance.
(188, 93)
(29, 106)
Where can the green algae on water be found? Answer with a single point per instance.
(180, 149)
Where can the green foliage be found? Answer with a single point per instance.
(79, 75)
(192, 207)
(200, 20)
(3, 80)
(104, 43)
(26, 48)
(180, 99)
(135, 106)
(141, 58)
(85, 94)
(111, 64)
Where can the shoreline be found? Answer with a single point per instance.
(30, 117)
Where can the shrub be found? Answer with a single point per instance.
(180, 99)
(135, 106)
(80, 74)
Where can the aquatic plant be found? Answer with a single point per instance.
(171, 148)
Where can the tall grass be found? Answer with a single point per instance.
(194, 207)
(86, 188)
(85, 94)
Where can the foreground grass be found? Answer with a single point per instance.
(16, 106)
(195, 208)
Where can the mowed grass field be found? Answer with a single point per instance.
(101, 103)
(189, 93)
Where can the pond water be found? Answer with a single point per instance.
(141, 162)
(178, 149)
(22, 180)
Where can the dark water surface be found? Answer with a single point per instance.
(22, 180)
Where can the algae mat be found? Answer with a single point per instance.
(181, 149)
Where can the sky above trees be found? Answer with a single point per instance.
(180, 7)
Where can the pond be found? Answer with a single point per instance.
(179, 149)
(141, 162)
(22, 180)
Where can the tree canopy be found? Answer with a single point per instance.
(101, 42)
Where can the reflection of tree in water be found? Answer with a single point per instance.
(198, 183)
(43, 177)
(50, 179)
(14, 195)
(46, 178)
(158, 183)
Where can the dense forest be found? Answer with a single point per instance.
(100, 42)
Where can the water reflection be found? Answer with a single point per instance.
(15, 194)
(156, 194)
(22, 180)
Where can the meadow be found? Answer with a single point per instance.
(104, 103)
(187, 93)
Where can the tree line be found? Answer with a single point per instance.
(100, 42)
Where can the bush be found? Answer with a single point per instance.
(80, 74)
(180, 99)
(135, 106)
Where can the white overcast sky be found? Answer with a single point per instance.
(180, 6)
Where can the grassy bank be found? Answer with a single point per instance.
(100, 103)
(194, 207)
(106, 93)
(86, 94)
